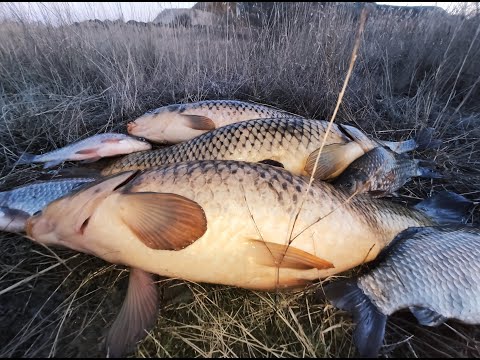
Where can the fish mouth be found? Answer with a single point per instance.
(131, 125)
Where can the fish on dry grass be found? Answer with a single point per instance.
(292, 143)
(181, 122)
(222, 222)
(432, 271)
(90, 149)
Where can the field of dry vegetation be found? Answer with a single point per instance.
(61, 83)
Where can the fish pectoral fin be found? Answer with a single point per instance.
(137, 315)
(282, 256)
(333, 160)
(198, 122)
(426, 316)
(162, 221)
(52, 163)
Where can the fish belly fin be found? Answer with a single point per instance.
(162, 221)
(333, 160)
(25, 158)
(50, 164)
(12, 220)
(93, 159)
(283, 256)
(198, 122)
(446, 208)
(137, 315)
(370, 322)
(426, 316)
(272, 163)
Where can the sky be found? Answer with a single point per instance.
(139, 11)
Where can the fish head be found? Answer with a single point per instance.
(169, 125)
(64, 222)
(120, 145)
(155, 125)
(354, 182)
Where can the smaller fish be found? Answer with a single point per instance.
(382, 171)
(18, 204)
(432, 271)
(90, 149)
(176, 123)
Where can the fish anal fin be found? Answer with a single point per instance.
(333, 160)
(282, 256)
(52, 163)
(162, 221)
(426, 316)
(137, 315)
(198, 122)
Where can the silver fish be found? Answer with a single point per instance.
(381, 171)
(89, 149)
(432, 271)
(18, 204)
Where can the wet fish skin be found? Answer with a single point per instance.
(23, 201)
(380, 172)
(223, 222)
(181, 122)
(289, 141)
(433, 271)
(89, 149)
(230, 193)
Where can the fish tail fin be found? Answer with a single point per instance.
(446, 208)
(423, 140)
(370, 322)
(424, 169)
(25, 158)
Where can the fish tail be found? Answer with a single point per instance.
(424, 169)
(446, 208)
(370, 322)
(423, 140)
(25, 158)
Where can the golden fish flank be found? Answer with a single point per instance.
(181, 122)
(228, 222)
(293, 142)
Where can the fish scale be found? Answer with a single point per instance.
(287, 140)
(436, 268)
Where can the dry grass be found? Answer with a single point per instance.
(62, 83)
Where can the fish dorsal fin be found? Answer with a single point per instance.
(282, 256)
(198, 122)
(163, 221)
(333, 160)
(426, 316)
(137, 315)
